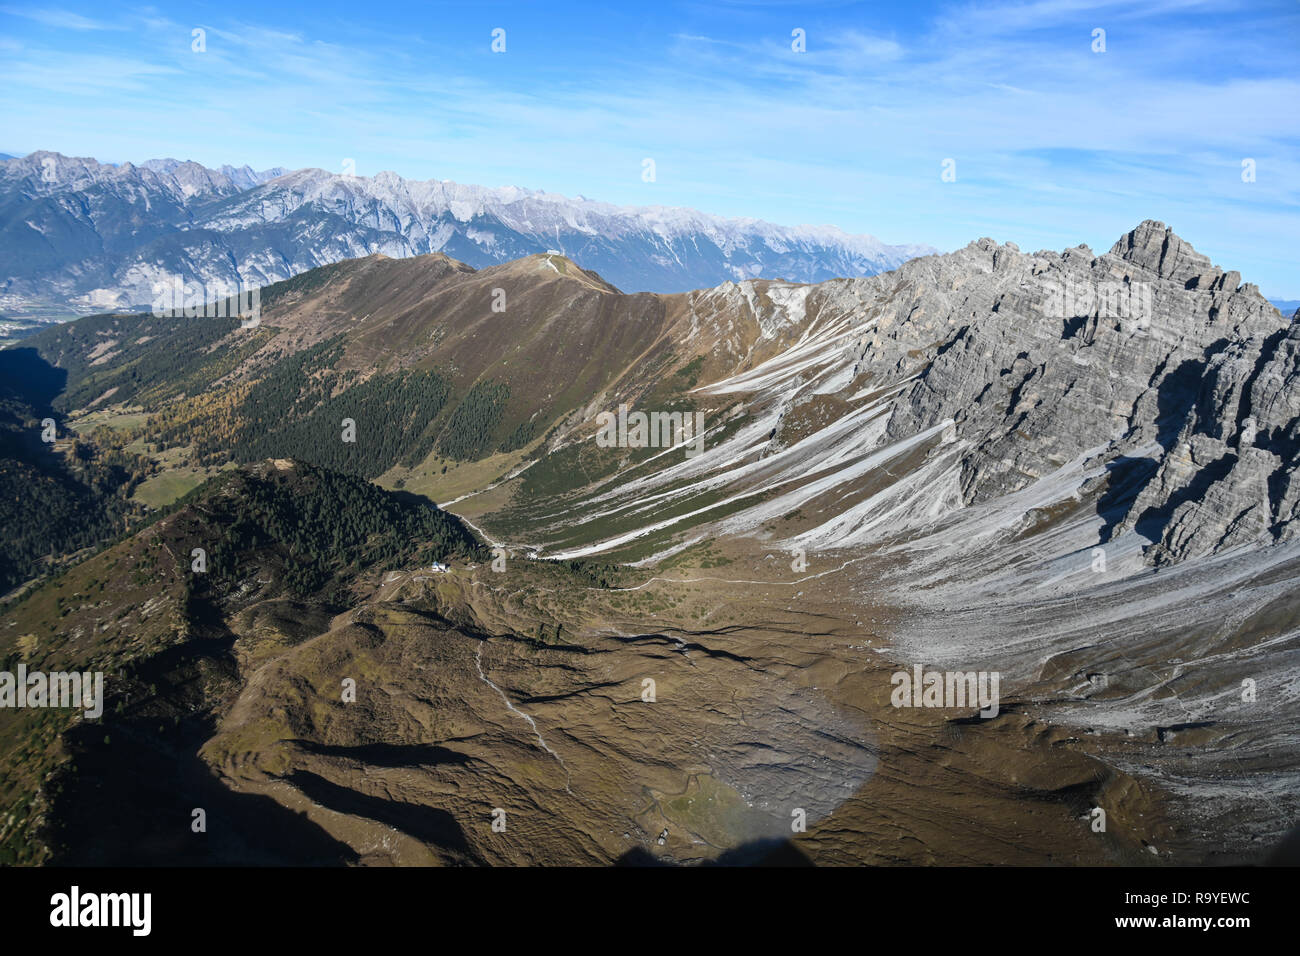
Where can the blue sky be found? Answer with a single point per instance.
(1054, 144)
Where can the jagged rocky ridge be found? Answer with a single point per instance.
(1160, 379)
(1185, 389)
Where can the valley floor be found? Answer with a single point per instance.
(769, 706)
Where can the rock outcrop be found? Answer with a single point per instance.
(1148, 357)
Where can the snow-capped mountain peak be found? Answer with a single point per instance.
(98, 235)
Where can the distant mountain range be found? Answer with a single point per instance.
(81, 236)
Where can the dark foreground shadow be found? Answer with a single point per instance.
(27, 377)
(135, 779)
(769, 852)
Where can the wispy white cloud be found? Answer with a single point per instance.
(1054, 144)
(59, 19)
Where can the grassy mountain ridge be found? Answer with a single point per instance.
(271, 533)
(407, 371)
(411, 350)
